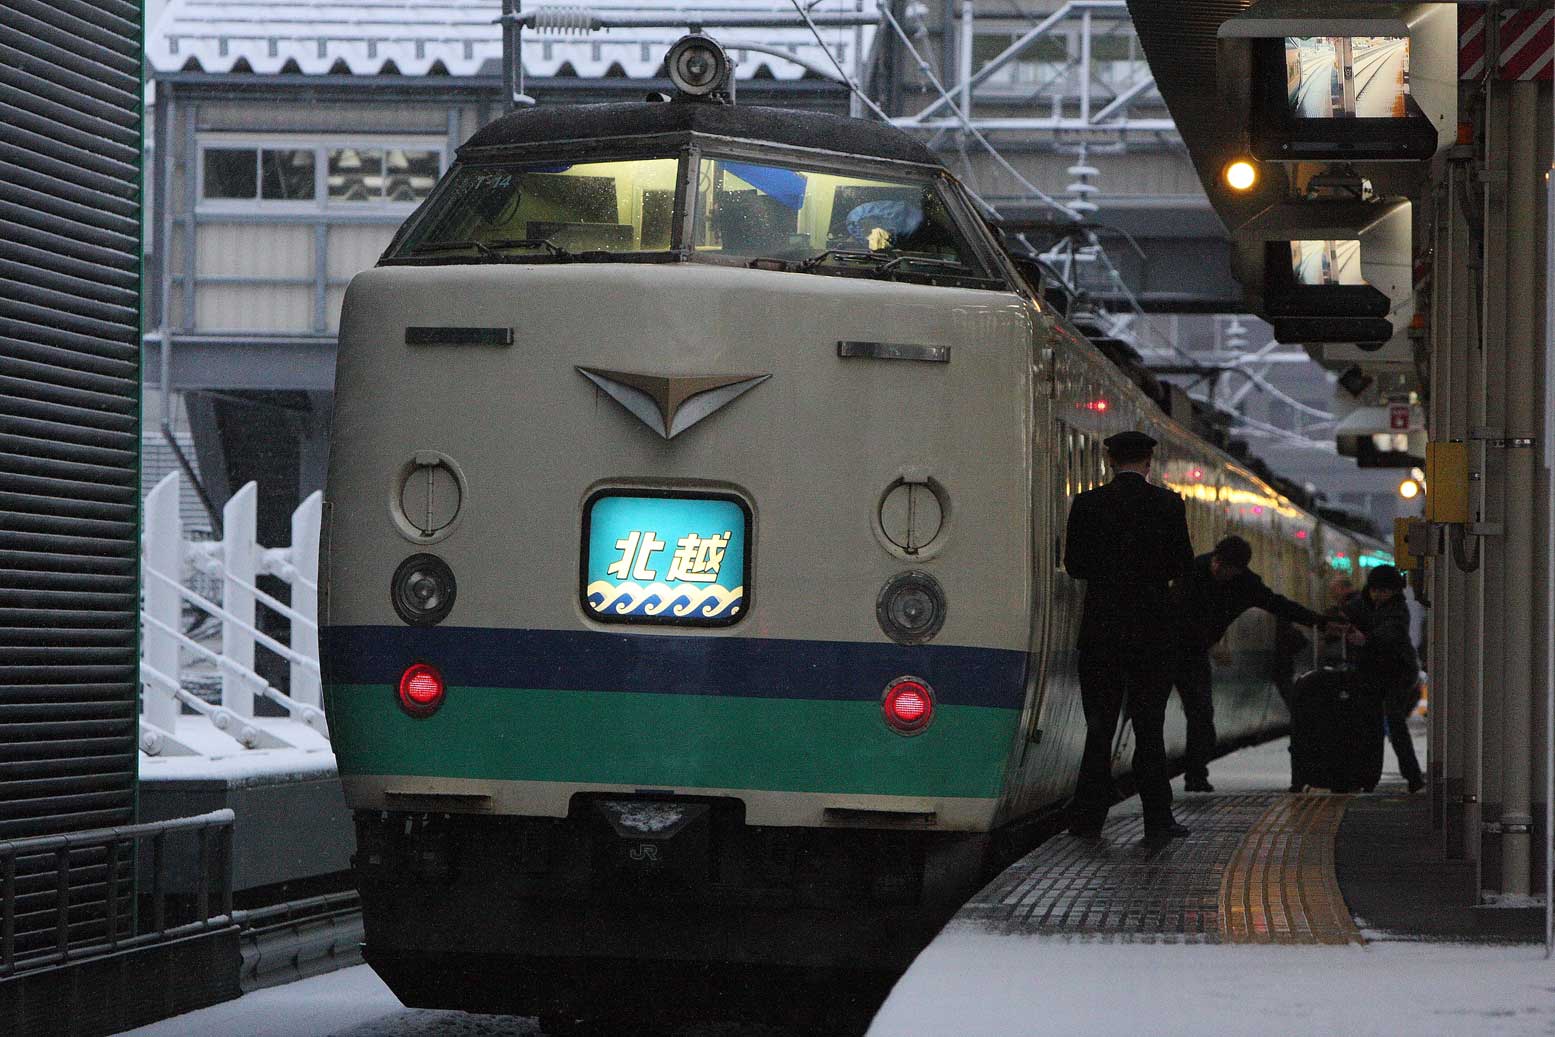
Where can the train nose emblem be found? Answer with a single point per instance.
(670, 404)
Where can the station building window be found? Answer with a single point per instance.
(271, 174)
(288, 172)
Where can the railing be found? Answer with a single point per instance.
(25, 947)
(236, 561)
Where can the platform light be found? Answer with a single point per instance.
(1241, 175)
(1409, 489)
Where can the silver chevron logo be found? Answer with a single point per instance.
(670, 404)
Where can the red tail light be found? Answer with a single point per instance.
(908, 705)
(421, 690)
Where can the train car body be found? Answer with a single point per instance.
(694, 621)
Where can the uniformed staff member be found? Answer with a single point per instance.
(1127, 540)
(1219, 589)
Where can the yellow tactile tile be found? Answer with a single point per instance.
(1281, 886)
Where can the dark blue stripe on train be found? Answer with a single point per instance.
(587, 660)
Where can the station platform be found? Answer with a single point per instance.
(1288, 913)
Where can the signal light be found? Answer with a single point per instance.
(1241, 175)
(1409, 489)
(908, 705)
(421, 690)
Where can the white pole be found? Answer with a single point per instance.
(240, 521)
(162, 550)
(305, 595)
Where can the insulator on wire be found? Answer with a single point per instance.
(563, 20)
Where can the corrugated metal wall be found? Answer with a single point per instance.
(70, 140)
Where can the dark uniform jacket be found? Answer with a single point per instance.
(1387, 658)
(1207, 608)
(1128, 540)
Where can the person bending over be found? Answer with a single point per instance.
(1219, 589)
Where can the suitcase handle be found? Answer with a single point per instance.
(1317, 648)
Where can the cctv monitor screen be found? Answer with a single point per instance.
(1336, 98)
(1319, 279)
(1346, 77)
(1319, 263)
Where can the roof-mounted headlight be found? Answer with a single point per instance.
(698, 67)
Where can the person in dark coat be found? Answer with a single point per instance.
(1128, 540)
(1219, 589)
(1386, 657)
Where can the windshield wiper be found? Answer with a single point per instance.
(887, 262)
(550, 246)
(488, 249)
(454, 246)
(937, 261)
(833, 253)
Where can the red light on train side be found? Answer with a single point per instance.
(908, 705)
(421, 690)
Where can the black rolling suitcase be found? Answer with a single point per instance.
(1335, 730)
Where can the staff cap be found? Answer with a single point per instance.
(1129, 446)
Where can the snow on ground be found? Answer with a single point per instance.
(971, 984)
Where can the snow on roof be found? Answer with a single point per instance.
(461, 38)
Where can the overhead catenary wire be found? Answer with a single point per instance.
(1090, 235)
(804, 12)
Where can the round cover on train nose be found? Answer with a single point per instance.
(911, 608)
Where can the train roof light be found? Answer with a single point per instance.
(421, 690)
(908, 705)
(698, 67)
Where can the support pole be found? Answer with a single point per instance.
(1469, 359)
(966, 58)
(510, 57)
(1521, 286)
(1441, 342)
(1495, 491)
(240, 521)
(1549, 544)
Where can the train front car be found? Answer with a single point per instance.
(678, 553)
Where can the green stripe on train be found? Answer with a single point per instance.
(672, 741)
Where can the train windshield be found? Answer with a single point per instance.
(560, 209)
(829, 223)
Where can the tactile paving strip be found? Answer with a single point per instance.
(1281, 886)
(1257, 868)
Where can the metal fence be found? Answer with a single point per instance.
(170, 563)
(49, 915)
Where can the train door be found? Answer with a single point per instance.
(1048, 512)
